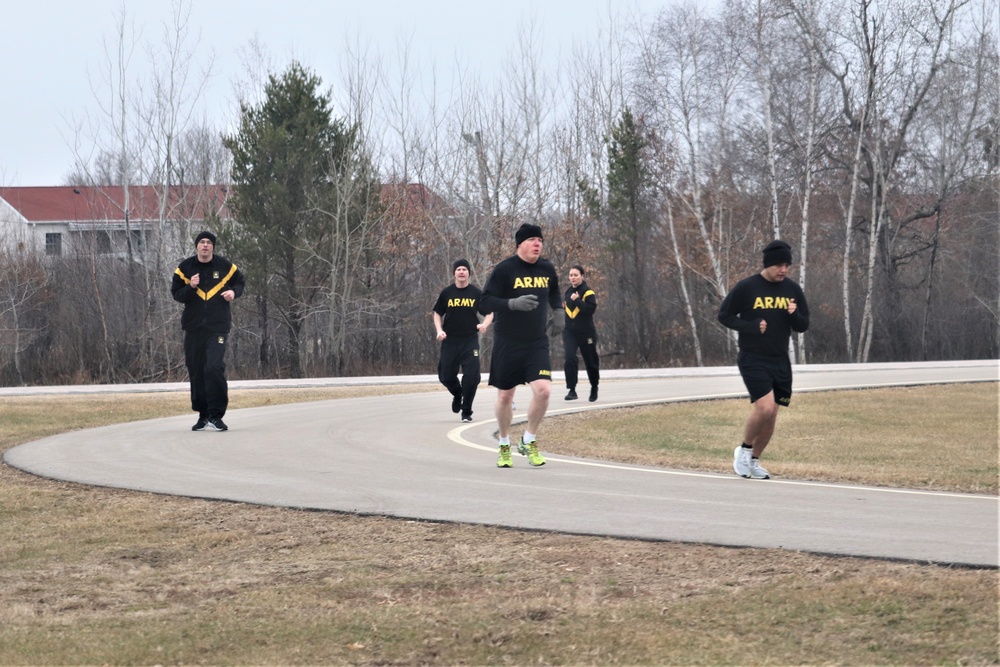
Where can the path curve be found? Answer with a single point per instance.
(407, 456)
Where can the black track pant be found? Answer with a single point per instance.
(461, 353)
(587, 344)
(204, 355)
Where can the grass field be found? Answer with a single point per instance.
(104, 576)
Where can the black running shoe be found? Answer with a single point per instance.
(593, 394)
(456, 404)
(200, 424)
(467, 417)
(571, 396)
(216, 424)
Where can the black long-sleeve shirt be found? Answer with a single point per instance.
(754, 299)
(511, 278)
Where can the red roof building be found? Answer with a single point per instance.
(126, 222)
(67, 220)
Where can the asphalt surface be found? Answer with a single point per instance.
(408, 456)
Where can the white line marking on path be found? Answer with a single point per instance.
(456, 436)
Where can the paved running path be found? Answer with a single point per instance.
(408, 456)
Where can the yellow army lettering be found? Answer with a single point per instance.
(771, 303)
(461, 303)
(531, 282)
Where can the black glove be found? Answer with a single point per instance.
(523, 303)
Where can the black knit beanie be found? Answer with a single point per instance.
(461, 262)
(777, 252)
(527, 231)
(205, 235)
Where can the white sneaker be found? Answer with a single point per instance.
(758, 472)
(741, 462)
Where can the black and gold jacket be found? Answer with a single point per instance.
(580, 311)
(204, 307)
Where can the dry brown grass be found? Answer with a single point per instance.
(942, 438)
(104, 576)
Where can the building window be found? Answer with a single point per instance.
(137, 240)
(103, 243)
(53, 244)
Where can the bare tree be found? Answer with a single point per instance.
(144, 134)
(784, 87)
(807, 149)
(24, 289)
(690, 82)
(885, 64)
(685, 87)
(944, 154)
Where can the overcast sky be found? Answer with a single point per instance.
(53, 49)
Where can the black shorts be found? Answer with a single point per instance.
(516, 362)
(762, 375)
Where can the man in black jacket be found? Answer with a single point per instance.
(206, 284)
(764, 310)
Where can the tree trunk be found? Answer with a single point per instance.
(685, 297)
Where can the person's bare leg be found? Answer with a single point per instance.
(760, 424)
(504, 410)
(541, 391)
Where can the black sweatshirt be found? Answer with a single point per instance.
(511, 278)
(754, 299)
